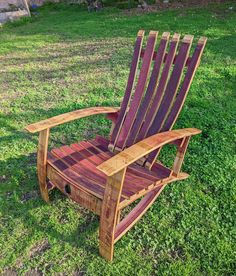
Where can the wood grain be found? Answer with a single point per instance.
(109, 214)
(42, 163)
(70, 116)
(150, 116)
(139, 90)
(142, 148)
(129, 89)
(180, 99)
(143, 109)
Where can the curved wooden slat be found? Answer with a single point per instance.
(172, 86)
(143, 76)
(180, 99)
(138, 211)
(160, 88)
(165, 57)
(140, 117)
(130, 155)
(79, 162)
(129, 87)
(70, 116)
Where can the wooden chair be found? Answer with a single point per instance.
(106, 175)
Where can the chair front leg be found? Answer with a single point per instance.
(42, 163)
(182, 148)
(109, 214)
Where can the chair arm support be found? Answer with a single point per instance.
(70, 116)
(130, 155)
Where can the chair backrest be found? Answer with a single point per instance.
(153, 100)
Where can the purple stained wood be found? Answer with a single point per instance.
(165, 57)
(131, 114)
(140, 117)
(171, 89)
(169, 95)
(184, 88)
(129, 87)
(137, 210)
(71, 161)
(160, 89)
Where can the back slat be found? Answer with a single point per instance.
(170, 93)
(157, 110)
(165, 57)
(172, 86)
(131, 114)
(150, 90)
(129, 88)
(180, 99)
(160, 89)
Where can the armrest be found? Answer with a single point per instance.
(130, 155)
(70, 116)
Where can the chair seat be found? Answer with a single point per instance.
(77, 164)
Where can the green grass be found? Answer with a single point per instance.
(65, 59)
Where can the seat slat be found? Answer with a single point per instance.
(78, 163)
(132, 182)
(96, 160)
(129, 120)
(91, 181)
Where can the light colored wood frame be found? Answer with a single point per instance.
(44, 126)
(109, 202)
(109, 207)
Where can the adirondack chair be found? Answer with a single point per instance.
(106, 175)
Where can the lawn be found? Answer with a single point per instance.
(65, 59)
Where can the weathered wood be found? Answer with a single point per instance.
(141, 84)
(165, 57)
(78, 163)
(109, 214)
(150, 116)
(42, 163)
(118, 216)
(180, 156)
(91, 174)
(172, 86)
(164, 181)
(141, 113)
(129, 88)
(170, 92)
(80, 196)
(26, 7)
(180, 99)
(142, 148)
(137, 213)
(70, 116)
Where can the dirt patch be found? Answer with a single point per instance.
(39, 248)
(9, 272)
(3, 178)
(159, 6)
(33, 272)
(29, 195)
